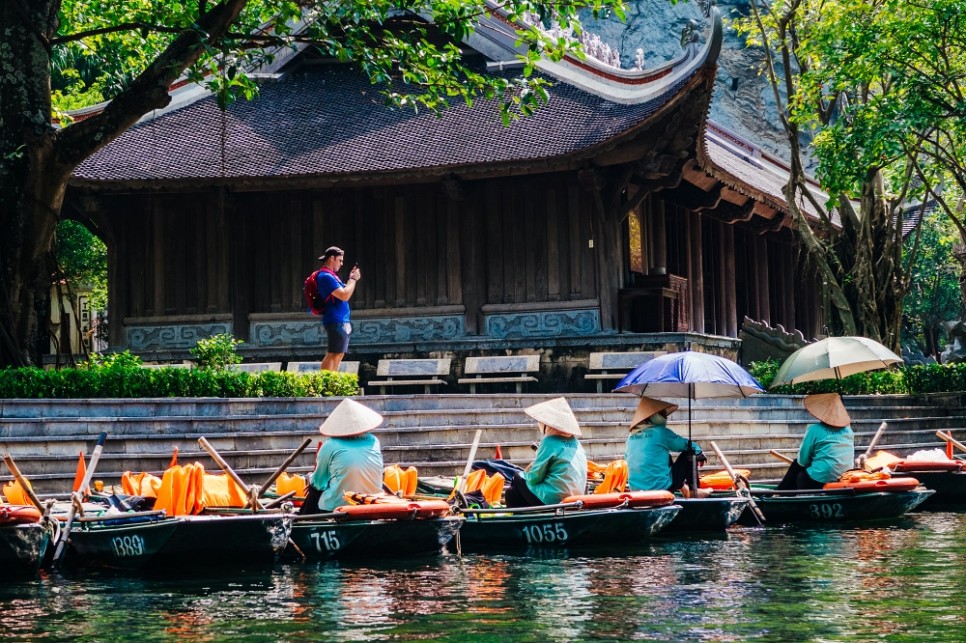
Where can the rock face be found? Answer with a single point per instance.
(742, 94)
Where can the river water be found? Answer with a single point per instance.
(901, 581)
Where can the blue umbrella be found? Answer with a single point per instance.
(691, 375)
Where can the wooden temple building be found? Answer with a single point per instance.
(615, 218)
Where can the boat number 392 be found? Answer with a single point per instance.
(326, 541)
(545, 533)
(127, 546)
(826, 511)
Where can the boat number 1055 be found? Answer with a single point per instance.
(545, 533)
(127, 546)
(326, 541)
(826, 511)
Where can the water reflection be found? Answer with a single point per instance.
(899, 581)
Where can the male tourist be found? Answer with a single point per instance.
(336, 295)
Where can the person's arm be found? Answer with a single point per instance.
(676, 443)
(345, 292)
(807, 450)
(537, 470)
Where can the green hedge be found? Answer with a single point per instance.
(123, 380)
(907, 380)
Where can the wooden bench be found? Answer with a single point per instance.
(411, 372)
(498, 369)
(257, 367)
(313, 367)
(614, 366)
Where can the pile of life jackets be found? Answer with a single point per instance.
(185, 490)
(15, 494)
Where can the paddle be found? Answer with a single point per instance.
(271, 479)
(781, 456)
(77, 498)
(469, 460)
(860, 461)
(15, 470)
(251, 491)
(948, 437)
(739, 483)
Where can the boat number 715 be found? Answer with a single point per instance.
(826, 511)
(545, 533)
(326, 541)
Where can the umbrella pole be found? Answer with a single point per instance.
(694, 460)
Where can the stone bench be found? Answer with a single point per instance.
(411, 372)
(257, 367)
(498, 369)
(314, 367)
(177, 365)
(614, 366)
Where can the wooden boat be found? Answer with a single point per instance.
(225, 539)
(122, 541)
(24, 539)
(947, 478)
(845, 504)
(569, 524)
(714, 513)
(339, 535)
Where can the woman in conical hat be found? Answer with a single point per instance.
(828, 448)
(649, 447)
(350, 460)
(559, 468)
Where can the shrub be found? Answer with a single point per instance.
(217, 352)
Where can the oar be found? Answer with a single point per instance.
(77, 498)
(739, 482)
(469, 461)
(860, 461)
(289, 460)
(781, 456)
(220, 461)
(948, 437)
(15, 470)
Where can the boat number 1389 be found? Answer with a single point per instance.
(545, 533)
(127, 546)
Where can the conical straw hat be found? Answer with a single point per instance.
(556, 414)
(350, 418)
(828, 408)
(648, 406)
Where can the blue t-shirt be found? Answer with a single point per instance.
(827, 452)
(559, 469)
(648, 455)
(347, 464)
(336, 310)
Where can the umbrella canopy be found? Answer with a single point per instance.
(834, 358)
(691, 375)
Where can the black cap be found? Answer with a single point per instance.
(331, 251)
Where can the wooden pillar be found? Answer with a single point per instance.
(790, 286)
(658, 240)
(695, 251)
(761, 280)
(727, 307)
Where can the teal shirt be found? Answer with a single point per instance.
(347, 464)
(559, 469)
(827, 452)
(648, 456)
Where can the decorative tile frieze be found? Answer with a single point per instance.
(146, 338)
(377, 330)
(551, 323)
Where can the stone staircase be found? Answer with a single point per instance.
(431, 432)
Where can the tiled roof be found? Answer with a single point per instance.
(329, 121)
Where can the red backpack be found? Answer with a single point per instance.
(310, 289)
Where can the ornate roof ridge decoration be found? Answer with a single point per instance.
(495, 38)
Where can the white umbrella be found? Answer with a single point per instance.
(834, 358)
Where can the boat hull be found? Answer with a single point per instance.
(560, 529)
(22, 548)
(706, 514)
(119, 544)
(834, 507)
(950, 486)
(225, 540)
(328, 538)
